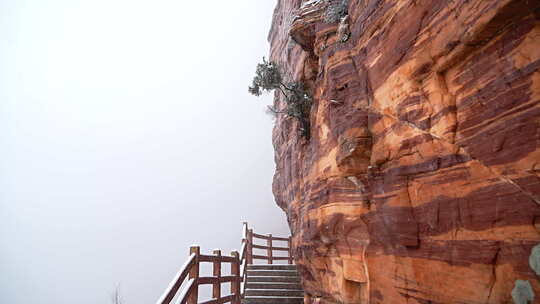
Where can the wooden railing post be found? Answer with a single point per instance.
(244, 230)
(194, 274)
(243, 259)
(289, 244)
(269, 250)
(250, 247)
(216, 287)
(235, 271)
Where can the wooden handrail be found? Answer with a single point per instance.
(215, 258)
(177, 281)
(192, 283)
(270, 237)
(265, 257)
(243, 251)
(238, 261)
(273, 248)
(214, 280)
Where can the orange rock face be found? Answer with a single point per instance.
(421, 180)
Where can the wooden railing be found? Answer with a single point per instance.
(270, 248)
(189, 294)
(190, 269)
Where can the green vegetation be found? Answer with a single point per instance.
(268, 77)
(522, 292)
(534, 259)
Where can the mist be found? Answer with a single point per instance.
(127, 135)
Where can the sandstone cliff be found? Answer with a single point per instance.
(421, 180)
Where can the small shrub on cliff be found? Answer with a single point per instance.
(522, 292)
(336, 10)
(267, 78)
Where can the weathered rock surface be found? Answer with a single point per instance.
(421, 180)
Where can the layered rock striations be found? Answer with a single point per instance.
(421, 180)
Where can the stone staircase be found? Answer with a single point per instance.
(272, 284)
(262, 283)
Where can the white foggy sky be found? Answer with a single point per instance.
(126, 135)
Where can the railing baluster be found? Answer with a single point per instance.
(269, 250)
(289, 244)
(235, 284)
(216, 287)
(194, 274)
(250, 247)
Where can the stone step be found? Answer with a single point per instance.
(275, 292)
(273, 300)
(270, 267)
(272, 279)
(272, 273)
(262, 285)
